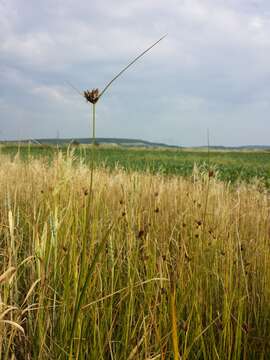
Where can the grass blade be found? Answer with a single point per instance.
(129, 65)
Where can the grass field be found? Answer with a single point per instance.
(228, 166)
(104, 263)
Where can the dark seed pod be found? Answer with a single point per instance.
(163, 291)
(91, 96)
(211, 173)
(245, 327)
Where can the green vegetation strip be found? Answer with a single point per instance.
(227, 166)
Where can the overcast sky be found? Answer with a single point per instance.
(212, 71)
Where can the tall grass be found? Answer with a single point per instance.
(141, 267)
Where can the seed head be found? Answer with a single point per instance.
(163, 291)
(245, 328)
(211, 173)
(91, 96)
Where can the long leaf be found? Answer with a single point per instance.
(129, 65)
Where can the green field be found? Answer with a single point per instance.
(229, 166)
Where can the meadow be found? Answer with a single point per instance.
(229, 166)
(134, 254)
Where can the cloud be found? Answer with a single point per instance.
(213, 65)
(50, 93)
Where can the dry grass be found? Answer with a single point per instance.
(136, 267)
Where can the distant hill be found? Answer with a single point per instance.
(234, 148)
(136, 143)
(101, 141)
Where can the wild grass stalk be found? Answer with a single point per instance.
(94, 95)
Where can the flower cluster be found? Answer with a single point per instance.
(91, 96)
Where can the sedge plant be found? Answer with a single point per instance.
(94, 95)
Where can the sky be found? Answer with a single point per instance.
(211, 74)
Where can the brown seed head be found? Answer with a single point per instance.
(91, 96)
(245, 328)
(211, 173)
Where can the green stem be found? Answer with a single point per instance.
(94, 124)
